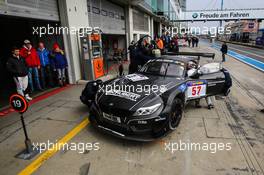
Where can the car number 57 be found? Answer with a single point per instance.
(196, 91)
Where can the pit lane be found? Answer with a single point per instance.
(234, 120)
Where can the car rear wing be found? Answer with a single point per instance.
(197, 54)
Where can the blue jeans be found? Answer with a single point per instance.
(33, 74)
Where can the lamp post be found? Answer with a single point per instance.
(222, 7)
(221, 22)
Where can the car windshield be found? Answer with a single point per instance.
(172, 68)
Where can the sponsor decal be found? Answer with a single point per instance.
(163, 88)
(136, 77)
(193, 83)
(182, 87)
(123, 94)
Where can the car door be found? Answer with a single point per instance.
(215, 78)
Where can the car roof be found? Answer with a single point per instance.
(184, 59)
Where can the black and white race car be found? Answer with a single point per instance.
(149, 103)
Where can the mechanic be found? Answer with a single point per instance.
(133, 61)
(191, 70)
(145, 54)
(141, 54)
(224, 50)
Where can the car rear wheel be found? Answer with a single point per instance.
(175, 114)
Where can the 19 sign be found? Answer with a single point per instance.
(18, 103)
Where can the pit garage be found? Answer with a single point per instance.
(19, 19)
(104, 14)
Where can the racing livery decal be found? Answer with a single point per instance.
(123, 94)
(136, 77)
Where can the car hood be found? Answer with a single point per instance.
(135, 90)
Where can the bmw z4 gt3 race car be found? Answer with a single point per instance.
(149, 103)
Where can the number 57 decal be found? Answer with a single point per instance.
(196, 90)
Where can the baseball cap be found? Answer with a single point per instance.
(26, 41)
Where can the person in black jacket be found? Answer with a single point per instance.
(224, 50)
(133, 66)
(16, 65)
(196, 41)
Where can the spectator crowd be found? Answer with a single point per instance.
(37, 69)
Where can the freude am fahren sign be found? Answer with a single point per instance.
(225, 14)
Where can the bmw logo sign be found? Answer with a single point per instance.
(195, 15)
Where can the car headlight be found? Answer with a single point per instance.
(147, 110)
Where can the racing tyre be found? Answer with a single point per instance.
(175, 114)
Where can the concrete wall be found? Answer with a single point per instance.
(73, 14)
(130, 24)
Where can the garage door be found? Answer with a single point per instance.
(39, 9)
(106, 15)
(140, 21)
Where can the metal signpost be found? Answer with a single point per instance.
(20, 104)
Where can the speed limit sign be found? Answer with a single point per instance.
(18, 103)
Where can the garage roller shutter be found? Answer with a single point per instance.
(107, 16)
(140, 21)
(39, 9)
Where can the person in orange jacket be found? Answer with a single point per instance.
(159, 43)
(33, 63)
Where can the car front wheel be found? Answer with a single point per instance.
(175, 114)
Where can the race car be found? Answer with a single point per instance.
(150, 103)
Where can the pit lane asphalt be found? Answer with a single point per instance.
(235, 119)
(255, 53)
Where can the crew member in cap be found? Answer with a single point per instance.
(33, 63)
